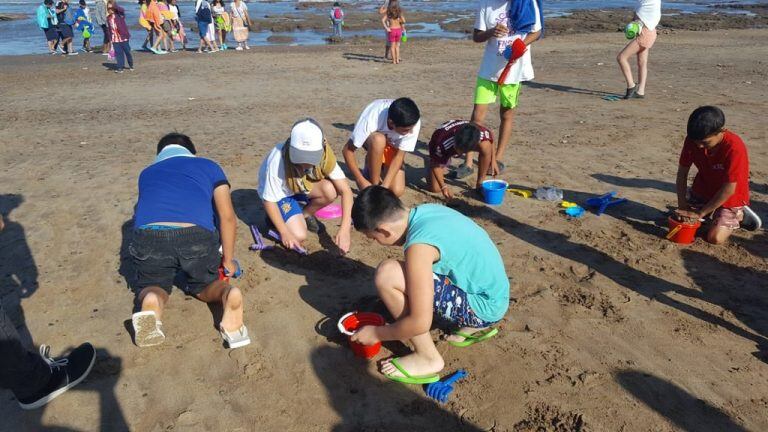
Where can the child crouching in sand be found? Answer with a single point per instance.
(298, 178)
(721, 185)
(451, 268)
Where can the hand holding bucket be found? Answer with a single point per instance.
(353, 321)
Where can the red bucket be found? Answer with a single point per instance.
(351, 322)
(684, 232)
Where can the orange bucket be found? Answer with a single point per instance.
(682, 232)
(353, 321)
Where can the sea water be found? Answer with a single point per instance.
(24, 37)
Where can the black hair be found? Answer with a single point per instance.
(374, 205)
(336, 4)
(48, 2)
(403, 112)
(467, 138)
(705, 121)
(178, 139)
(82, 2)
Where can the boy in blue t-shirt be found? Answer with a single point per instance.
(451, 268)
(175, 231)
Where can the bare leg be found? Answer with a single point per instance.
(478, 116)
(718, 234)
(507, 122)
(153, 298)
(630, 50)
(390, 283)
(232, 300)
(375, 145)
(322, 194)
(642, 70)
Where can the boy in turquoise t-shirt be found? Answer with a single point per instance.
(451, 268)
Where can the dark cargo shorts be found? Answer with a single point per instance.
(160, 255)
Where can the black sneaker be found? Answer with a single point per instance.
(313, 225)
(66, 372)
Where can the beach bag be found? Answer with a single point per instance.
(111, 54)
(239, 30)
(337, 13)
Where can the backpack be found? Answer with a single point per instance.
(337, 14)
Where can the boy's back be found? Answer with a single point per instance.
(468, 257)
(179, 189)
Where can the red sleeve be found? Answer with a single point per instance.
(686, 156)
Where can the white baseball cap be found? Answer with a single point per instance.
(306, 142)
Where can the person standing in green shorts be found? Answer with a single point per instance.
(508, 27)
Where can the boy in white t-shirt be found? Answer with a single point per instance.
(648, 13)
(387, 129)
(508, 27)
(298, 178)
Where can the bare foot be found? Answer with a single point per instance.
(465, 330)
(415, 364)
(233, 310)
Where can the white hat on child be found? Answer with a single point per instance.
(306, 142)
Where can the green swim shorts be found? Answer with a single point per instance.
(486, 91)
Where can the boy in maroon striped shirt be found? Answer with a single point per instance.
(456, 138)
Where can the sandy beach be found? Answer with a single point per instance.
(613, 328)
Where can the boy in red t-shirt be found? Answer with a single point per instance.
(721, 185)
(452, 139)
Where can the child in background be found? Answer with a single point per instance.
(150, 39)
(178, 27)
(508, 28)
(121, 37)
(183, 216)
(455, 138)
(387, 129)
(337, 19)
(721, 186)
(451, 269)
(648, 12)
(394, 24)
(167, 25)
(83, 23)
(298, 178)
(222, 22)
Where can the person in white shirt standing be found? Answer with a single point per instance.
(648, 13)
(508, 27)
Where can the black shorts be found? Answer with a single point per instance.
(51, 34)
(160, 255)
(65, 31)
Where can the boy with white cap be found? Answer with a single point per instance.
(387, 129)
(298, 178)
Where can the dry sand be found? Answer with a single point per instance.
(614, 328)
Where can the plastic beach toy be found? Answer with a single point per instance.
(632, 30)
(682, 232)
(258, 241)
(404, 38)
(568, 204)
(522, 192)
(602, 202)
(351, 322)
(440, 390)
(493, 191)
(331, 211)
(575, 211)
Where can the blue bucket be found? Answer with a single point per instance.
(493, 191)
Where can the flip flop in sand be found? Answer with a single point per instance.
(236, 339)
(471, 339)
(612, 98)
(408, 378)
(147, 329)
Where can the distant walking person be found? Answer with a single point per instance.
(46, 20)
(337, 19)
(648, 13)
(100, 17)
(120, 36)
(66, 34)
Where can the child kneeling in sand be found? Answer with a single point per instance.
(175, 232)
(387, 129)
(298, 178)
(452, 139)
(721, 185)
(451, 268)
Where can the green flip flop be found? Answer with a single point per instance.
(471, 339)
(408, 378)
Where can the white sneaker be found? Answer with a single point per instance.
(751, 221)
(247, 47)
(238, 338)
(147, 329)
(239, 48)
